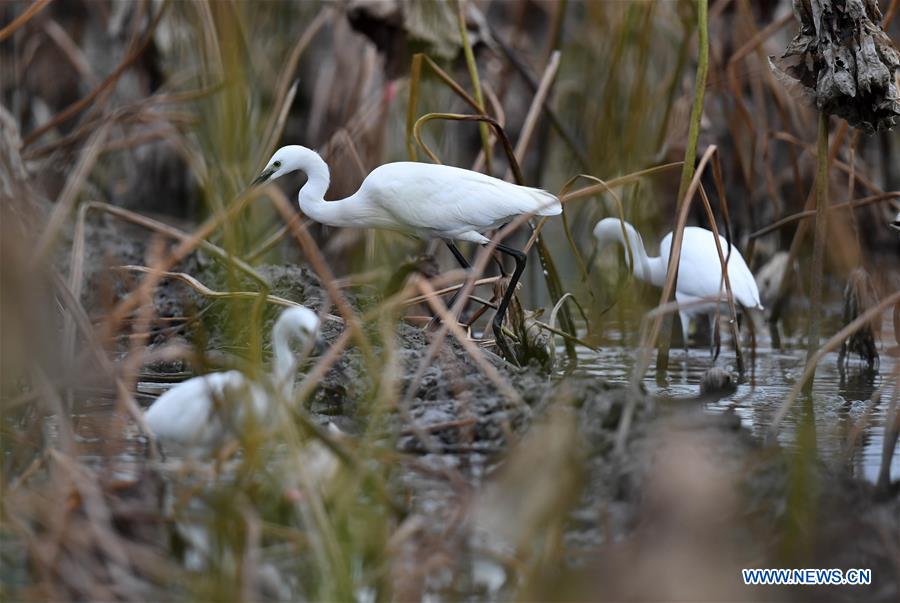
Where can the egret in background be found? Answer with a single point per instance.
(700, 280)
(200, 412)
(423, 199)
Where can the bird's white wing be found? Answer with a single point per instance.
(184, 414)
(700, 271)
(449, 200)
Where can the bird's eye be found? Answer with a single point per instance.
(277, 164)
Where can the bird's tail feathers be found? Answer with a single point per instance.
(549, 203)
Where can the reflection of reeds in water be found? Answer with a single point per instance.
(89, 509)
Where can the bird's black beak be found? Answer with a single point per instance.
(266, 174)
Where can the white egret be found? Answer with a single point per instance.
(198, 413)
(423, 199)
(699, 270)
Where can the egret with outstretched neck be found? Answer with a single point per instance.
(201, 412)
(423, 199)
(700, 287)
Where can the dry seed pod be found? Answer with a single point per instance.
(843, 61)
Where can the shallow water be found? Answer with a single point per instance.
(843, 413)
(842, 403)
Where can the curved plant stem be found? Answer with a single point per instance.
(687, 171)
(476, 82)
(821, 232)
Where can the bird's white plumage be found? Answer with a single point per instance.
(201, 412)
(428, 200)
(700, 271)
(700, 281)
(450, 202)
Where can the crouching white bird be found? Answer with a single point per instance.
(700, 281)
(202, 412)
(423, 199)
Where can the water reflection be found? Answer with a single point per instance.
(849, 425)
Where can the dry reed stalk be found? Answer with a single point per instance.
(786, 283)
(141, 111)
(415, 77)
(320, 267)
(472, 66)
(68, 196)
(272, 239)
(249, 566)
(181, 236)
(687, 173)
(531, 81)
(551, 275)
(443, 291)
(650, 337)
(723, 262)
(26, 16)
(70, 50)
(589, 191)
(97, 511)
(202, 289)
(889, 14)
(546, 262)
(76, 277)
(551, 329)
(832, 155)
(534, 110)
(186, 246)
(489, 371)
(604, 187)
(759, 38)
(500, 116)
(83, 324)
(136, 50)
(861, 202)
(340, 135)
(285, 90)
(417, 133)
(126, 382)
(474, 273)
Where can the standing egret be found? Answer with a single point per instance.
(423, 199)
(198, 413)
(699, 269)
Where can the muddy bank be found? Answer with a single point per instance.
(487, 490)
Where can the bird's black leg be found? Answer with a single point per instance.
(464, 263)
(519, 257)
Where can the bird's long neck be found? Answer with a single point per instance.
(283, 363)
(651, 270)
(312, 195)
